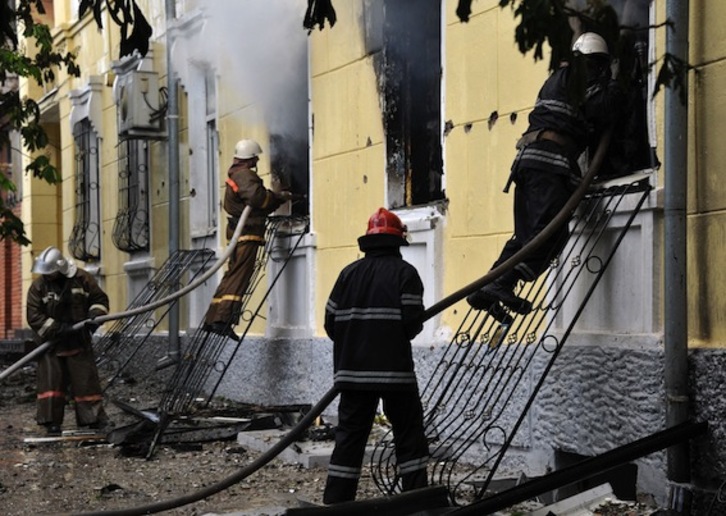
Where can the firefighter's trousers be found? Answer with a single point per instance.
(538, 198)
(356, 412)
(227, 302)
(74, 377)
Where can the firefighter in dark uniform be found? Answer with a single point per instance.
(374, 310)
(243, 187)
(545, 170)
(62, 296)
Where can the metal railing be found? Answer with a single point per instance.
(486, 379)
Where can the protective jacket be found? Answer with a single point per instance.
(244, 187)
(575, 125)
(55, 304)
(373, 312)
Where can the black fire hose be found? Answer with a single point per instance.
(561, 218)
(240, 475)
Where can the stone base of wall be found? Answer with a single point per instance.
(597, 397)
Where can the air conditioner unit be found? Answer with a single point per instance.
(138, 104)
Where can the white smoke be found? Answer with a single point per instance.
(259, 50)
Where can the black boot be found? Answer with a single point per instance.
(500, 315)
(53, 430)
(500, 290)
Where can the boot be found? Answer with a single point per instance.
(53, 430)
(221, 328)
(500, 290)
(500, 315)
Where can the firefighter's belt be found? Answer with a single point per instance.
(251, 238)
(547, 134)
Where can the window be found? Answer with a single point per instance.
(212, 136)
(85, 239)
(633, 145)
(212, 167)
(131, 227)
(409, 72)
(203, 157)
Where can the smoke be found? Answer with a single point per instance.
(632, 13)
(259, 50)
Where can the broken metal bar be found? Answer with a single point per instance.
(586, 469)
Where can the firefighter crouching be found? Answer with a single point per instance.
(61, 296)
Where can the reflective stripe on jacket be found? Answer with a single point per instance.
(373, 312)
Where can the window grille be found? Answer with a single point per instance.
(85, 239)
(131, 227)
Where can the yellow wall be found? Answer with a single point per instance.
(348, 182)
(706, 187)
(484, 74)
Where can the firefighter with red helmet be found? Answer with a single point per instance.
(374, 311)
(243, 187)
(60, 297)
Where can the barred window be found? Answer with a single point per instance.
(85, 239)
(131, 227)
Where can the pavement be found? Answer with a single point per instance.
(311, 454)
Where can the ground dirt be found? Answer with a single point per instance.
(81, 477)
(93, 477)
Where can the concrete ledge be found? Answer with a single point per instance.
(309, 454)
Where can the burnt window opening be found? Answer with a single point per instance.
(631, 150)
(131, 226)
(289, 166)
(408, 66)
(85, 240)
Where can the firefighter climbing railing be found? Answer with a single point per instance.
(203, 364)
(206, 356)
(479, 393)
(116, 349)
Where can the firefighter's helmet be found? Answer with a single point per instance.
(51, 260)
(590, 43)
(247, 149)
(386, 223)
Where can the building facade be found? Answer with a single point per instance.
(405, 107)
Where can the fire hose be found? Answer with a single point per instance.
(141, 309)
(561, 218)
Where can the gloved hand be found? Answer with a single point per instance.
(65, 330)
(91, 326)
(285, 195)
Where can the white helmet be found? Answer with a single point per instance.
(590, 43)
(50, 260)
(247, 149)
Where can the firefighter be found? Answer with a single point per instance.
(374, 310)
(60, 297)
(242, 187)
(545, 170)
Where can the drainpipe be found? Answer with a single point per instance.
(172, 118)
(675, 303)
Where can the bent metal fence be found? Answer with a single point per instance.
(488, 376)
(205, 356)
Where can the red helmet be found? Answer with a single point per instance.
(386, 222)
